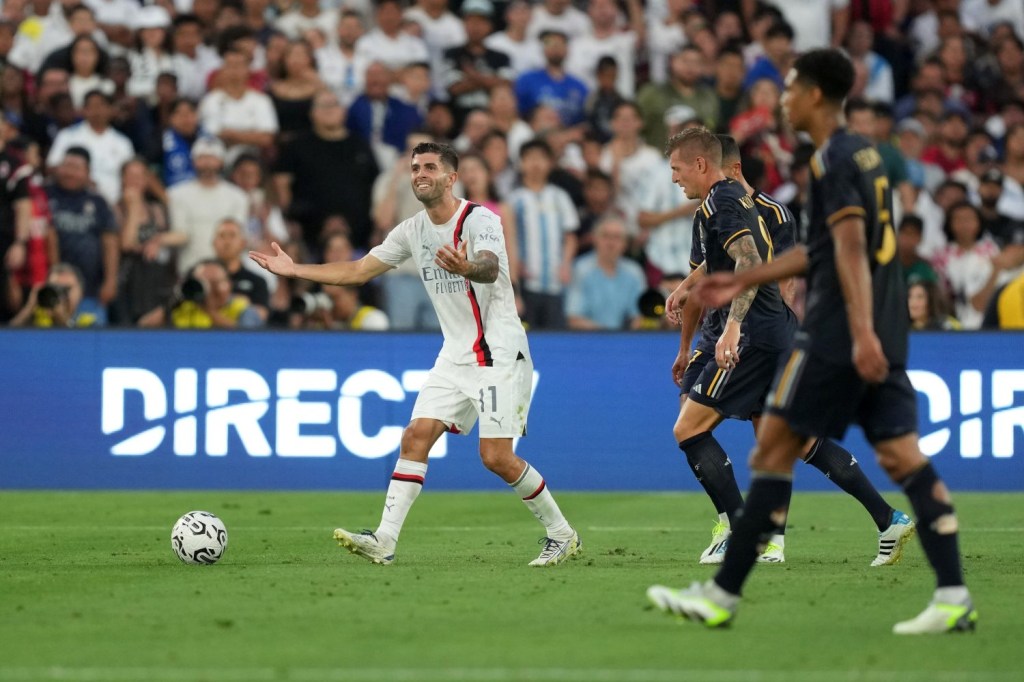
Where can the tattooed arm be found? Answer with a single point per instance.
(484, 269)
(743, 250)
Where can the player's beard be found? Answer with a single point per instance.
(429, 195)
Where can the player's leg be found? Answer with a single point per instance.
(691, 376)
(406, 483)
(895, 528)
(560, 541)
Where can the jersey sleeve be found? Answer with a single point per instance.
(842, 198)
(696, 255)
(483, 232)
(395, 249)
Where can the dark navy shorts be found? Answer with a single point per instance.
(820, 398)
(736, 393)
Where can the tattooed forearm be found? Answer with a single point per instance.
(744, 251)
(484, 269)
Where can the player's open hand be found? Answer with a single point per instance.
(869, 359)
(717, 289)
(280, 263)
(453, 260)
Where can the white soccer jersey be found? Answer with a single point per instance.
(479, 321)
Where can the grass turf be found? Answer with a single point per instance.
(90, 590)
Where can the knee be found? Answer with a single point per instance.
(685, 430)
(497, 460)
(416, 438)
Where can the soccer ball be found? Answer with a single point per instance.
(199, 538)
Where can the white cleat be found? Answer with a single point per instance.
(557, 551)
(715, 553)
(892, 540)
(366, 545)
(774, 552)
(939, 618)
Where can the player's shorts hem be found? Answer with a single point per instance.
(876, 438)
(715, 405)
(804, 429)
(450, 426)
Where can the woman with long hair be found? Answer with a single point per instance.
(88, 69)
(293, 91)
(927, 308)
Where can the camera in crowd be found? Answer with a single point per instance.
(50, 296)
(310, 303)
(193, 289)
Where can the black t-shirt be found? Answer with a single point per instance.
(252, 286)
(330, 177)
(489, 63)
(80, 220)
(848, 179)
(13, 187)
(779, 219)
(726, 214)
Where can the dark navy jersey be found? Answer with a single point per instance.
(779, 219)
(848, 179)
(727, 214)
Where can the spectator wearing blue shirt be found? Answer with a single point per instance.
(552, 86)
(380, 119)
(182, 131)
(606, 286)
(778, 53)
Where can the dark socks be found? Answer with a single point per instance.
(936, 524)
(764, 511)
(841, 468)
(713, 470)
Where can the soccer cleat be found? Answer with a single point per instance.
(557, 551)
(939, 618)
(691, 604)
(892, 540)
(715, 553)
(774, 552)
(366, 545)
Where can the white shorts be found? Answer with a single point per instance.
(458, 394)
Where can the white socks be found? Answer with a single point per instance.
(538, 499)
(406, 484)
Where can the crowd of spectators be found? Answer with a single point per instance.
(146, 145)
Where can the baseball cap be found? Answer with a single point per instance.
(680, 114)
(152, 16)
(483, 8)
(208, 146)
(911, 125)
(993, 175)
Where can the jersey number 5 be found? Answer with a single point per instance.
(887, 249)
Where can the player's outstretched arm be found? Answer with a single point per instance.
(855, 280)
(719, 288)
(342, 273)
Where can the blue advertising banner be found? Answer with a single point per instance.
(280, 410)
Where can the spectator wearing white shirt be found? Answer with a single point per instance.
(108, 149)
(40, 35)
(818, 23)
(607, 39)
(629, 161)
(150, 58)
(387, 43)
(192, 60)
(524, 52)
(308, 16)
(242, 118)
(664, 37)
(198, 206)
(340, 66)
(559, 16)
(879, 86)
(88, 69)
(441, 31)
(986, 14)
(116, 19)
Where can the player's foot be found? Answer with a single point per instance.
(892, 540)
(557, 551)
(939, 618)
(366, 545)
(774, 552)
(715, 553)
(693, 603)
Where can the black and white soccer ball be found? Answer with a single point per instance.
(199, 538)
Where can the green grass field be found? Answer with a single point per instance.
(90, 590)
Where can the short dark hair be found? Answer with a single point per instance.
(183, 19)
(606, 62)
(632, 105)
(447, 153)
(730, 150)
(780, 29)
(912, 221)
(947, 227)
(828, 70)
(856, 104)
(96, 92)
(182, 101)
(536, 144)
(80, 152)
(731, 49)
(700, 139)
